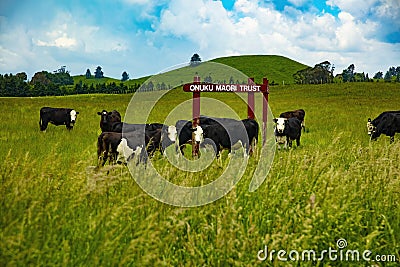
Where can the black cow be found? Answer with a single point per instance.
(298, 113)
(372, 124)
(107, 119)
(184, 129)
(389, 124)
(57, 116)
(287, 130)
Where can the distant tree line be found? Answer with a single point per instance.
(58, 83)
(323, 73)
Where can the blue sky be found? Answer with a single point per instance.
(145, 37)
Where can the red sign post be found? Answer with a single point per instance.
(250, 88)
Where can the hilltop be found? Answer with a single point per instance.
(277, 69)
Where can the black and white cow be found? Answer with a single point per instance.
(298, 113)
(134, 144)
(287, 130)
(57, 116)
(389, 124)
(372, 124)
(167, 137)
(185, 130)
(107, 119)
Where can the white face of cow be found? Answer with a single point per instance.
(172, 133)
(280, 124)
(370, 127)
(198, 134)
(73, 114)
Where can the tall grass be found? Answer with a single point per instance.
(56, 209)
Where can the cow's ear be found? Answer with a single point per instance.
(275, 120)
(99, 113)
(369, 119)
(77, 112)
(109, 113)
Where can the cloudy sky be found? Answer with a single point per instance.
(145, 37)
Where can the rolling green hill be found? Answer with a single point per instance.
(277, 69)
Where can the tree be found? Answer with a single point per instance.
(88, 74)
(125, 76)
(321, 73)
(195, 60)
(98, 73)
(378, 75)
(348, 74)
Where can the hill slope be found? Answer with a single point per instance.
(275, 68)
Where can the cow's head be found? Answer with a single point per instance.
(280, 124)
(103, 115)
(73, 114)
(172, 133)
(198, 134)
(370, 127)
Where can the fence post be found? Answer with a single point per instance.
(265, 110)
(250, 101)
(195, 117)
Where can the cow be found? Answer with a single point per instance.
(107, 144)
(184, 129)
(227, 134)
(107, 119)
(57, 116)
(298, 113)
(287, 130)
(166, 138)
(389, 124)
(372, 124)
(134, 144)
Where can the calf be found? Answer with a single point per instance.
(57, 116)
(298, 113)
(287, 130)
(107, 144)
(389, 124)
(107, 119)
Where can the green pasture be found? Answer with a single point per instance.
(58, 210)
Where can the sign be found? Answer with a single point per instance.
(213, 87)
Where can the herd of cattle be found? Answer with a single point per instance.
(121, 142)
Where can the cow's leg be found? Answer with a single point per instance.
(298, 141)
(43, 125)
(289, 141)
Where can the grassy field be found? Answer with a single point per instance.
(57, 211)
